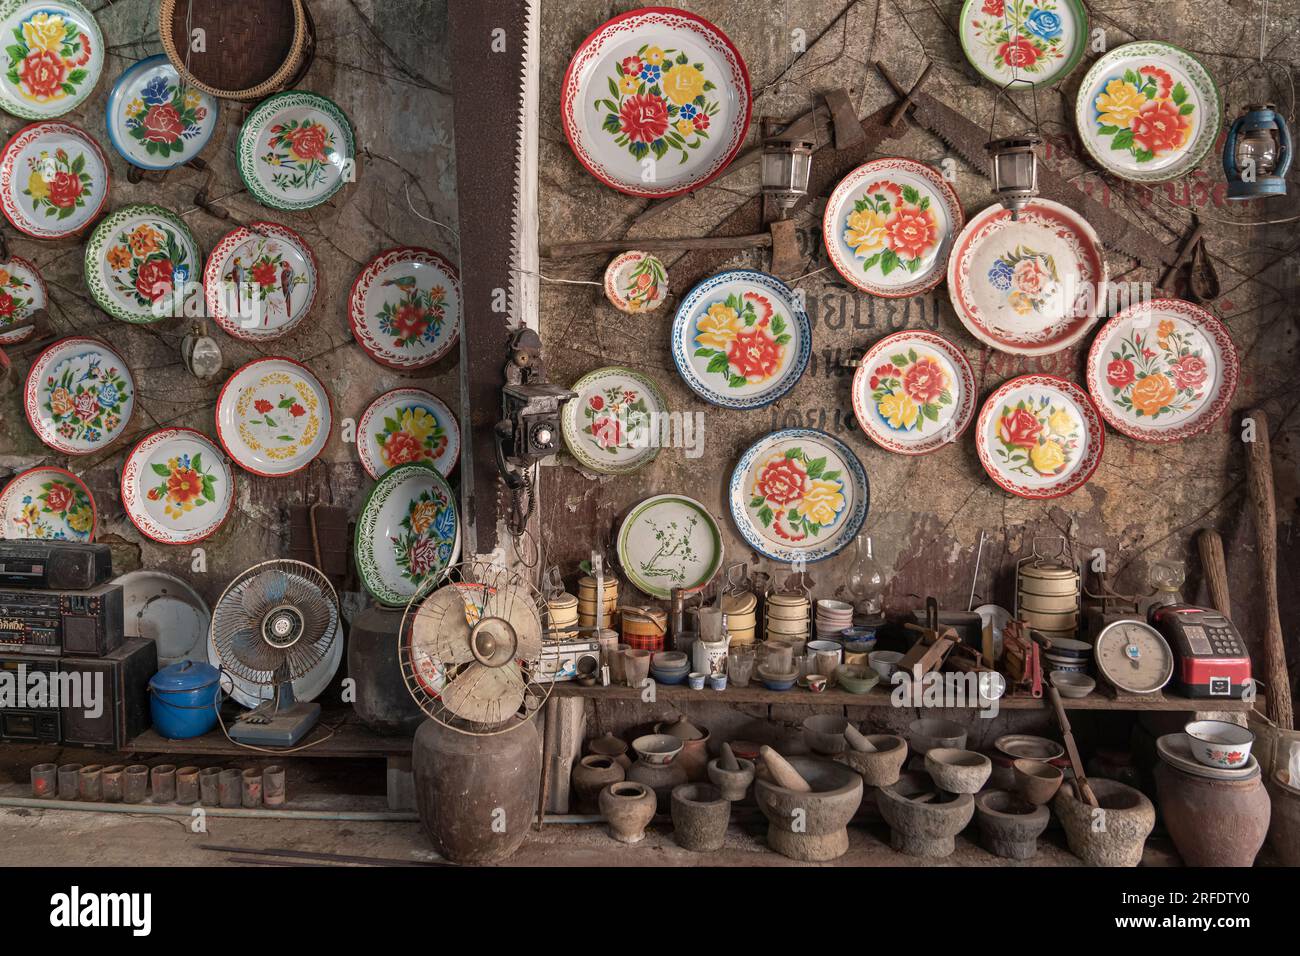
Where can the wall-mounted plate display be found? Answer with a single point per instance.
(1037, 41)
(137, 258)
(669, 541)
(22, 293)
(407, 534)
(659, 85)
(407, 425)
(53, 57)
(612, 426)
(636, 282)
(48, 503)
(914, 392)
(405, 308)
(273, 417)
(79, 396)
(799, 494)
(1028, 286)
(1039, 436)
(177, 486)
(53, 180)
(1162, 371)
(260, 281)
(889, 227)
(295, 151)
(154, 120)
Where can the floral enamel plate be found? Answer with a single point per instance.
(1040, 41)
(79, 396)
(914, 392)
(53, 59)
(296, 150)
(135, 259)
(406, 425)
(273, 417)
(1029, 286)
(154, 120)
(741, 339)
(636, 282)
(656, 84)
(1163, 371)
(177, 486)
(1039, 436)
(405, 308)
(1148, 111)
(408, 532)
(22, 292)
(889, 226)
(799, 494)
(612, 426)
(260, 281)
(669, 541)
(47, 503)
(53, 180)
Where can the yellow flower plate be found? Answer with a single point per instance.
(177, 486)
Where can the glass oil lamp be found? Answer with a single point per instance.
(1257, 153)
(787, 164)
(865, 581)
(1013, 160)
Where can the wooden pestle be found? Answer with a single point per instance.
(782, 773)
(858, 740)
(728, 760)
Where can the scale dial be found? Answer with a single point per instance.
(1133, 656)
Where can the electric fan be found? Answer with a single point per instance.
(469, 649)
(274, 623)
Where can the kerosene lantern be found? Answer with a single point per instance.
(1257, 153)
(1013, 160)
(200, 352)
(787, 164)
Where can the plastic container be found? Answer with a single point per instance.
(183, 699)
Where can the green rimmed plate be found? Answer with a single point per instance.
(669, 541)
(295, 150)
(53, 57)
(1038, 41)
(407, 534)
(612, 427)
(135, 259)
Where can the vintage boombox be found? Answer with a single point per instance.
(568, 660)
(54, 623)
(26, 713)
(54, 565)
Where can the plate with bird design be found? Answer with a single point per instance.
(405, 308)
(260, 281)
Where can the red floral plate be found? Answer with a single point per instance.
(260, 281)
(612, 427)
(1029, 286)
(79, 396)
(47, 503)
(1039, 436)
(406, 425)
(889, 227)
(656, 102)
(1162, 371)
(22, 292)
(273, 417)
(53, 180)
(914, 392)
(405, 308)
(177, 486)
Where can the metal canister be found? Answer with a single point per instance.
(250, 790)
(163, 778)
(187, 785)
(69, 776)
(90, 783)
(209, 786)
(273, 786)
(112, 777)
(135, 783)
(45, 781)
(228, 788)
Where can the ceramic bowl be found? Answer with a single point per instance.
(958, 771)
(1029, 747)
(884, 663)
(775, 681)
(855, 679)
(929, 733)
(1036, 781)
(1217, 743)
(857, 645)
(815, 682)
(669, 661)
(1072, 684)
(696, 679)
(835, 607)
(658, 750)
(674, 678)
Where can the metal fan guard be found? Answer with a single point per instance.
(485, 574)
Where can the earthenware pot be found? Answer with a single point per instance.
(591, 775)
(1284, 830)
(824, 734)
(627, 807)
(694, 758)
(1213, 822)
(879, 768)
(661, 778)
(919, 824)
(820, 831)
(1128, 820)
(958, 771)
(607, 745)
(734, 784)
(1036, 781)
(1009, 826)
(930, 732)
(700, 817)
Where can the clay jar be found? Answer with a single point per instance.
(1213, 822)
(1009, 825)
(1129, 819)
(591, 775)
(820, 832)
(700, 817)
(1284, 831)
(628, 807)
(694, 758)
(923, 827)
(657, 766)
(607, 745)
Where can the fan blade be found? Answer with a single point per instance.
(515, 607)
(441, 629)
(484, 695)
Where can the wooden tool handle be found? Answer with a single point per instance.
(1259, 478)
(1210, 546)
(1076, 762)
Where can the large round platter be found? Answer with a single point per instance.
(79, 396)
(405, 308)
(1162, 371)
(612, 426)
(1148, 111)
(52, 59)
(177, 486)
(135, 259)
(48, 503)
(656, 84)
(1029, 286)
(260, 281)
(913, 392)
(156, 122)
(1038, 41)
(741, 339)
(669, 541)
(889, 227)
(799, 494)
(53, 180)
(22, 293)
(1039, 436)
(295, 151)
(273, 417)
(163, 608)
(406, 425)
(408, 532)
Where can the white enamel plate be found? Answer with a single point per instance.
(53, 57)
(612, 426)
(408, 532)
(47, 503)
(260, 281)
(669, 541)
(295, 150)
(405, 308)
(22, 292)
(177, 486)
(79, 396)
(155, 121)
(406, 425)
(273, 417)
(53, 180)
(137, 258)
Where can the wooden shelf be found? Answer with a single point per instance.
(351, 739)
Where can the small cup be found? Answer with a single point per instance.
(816, 683)
(250, 789)
(90, 783)
(69, 775)
(113, 783)
(163, 778)
(209, 786)
(718, 681)
(696, 679)
(135, 783)
(273, 786)
(187, 785)
(228, 784)
(45, 781)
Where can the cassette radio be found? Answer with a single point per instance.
(52, 623)
(56, 565)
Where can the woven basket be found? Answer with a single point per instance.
(282, 76)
